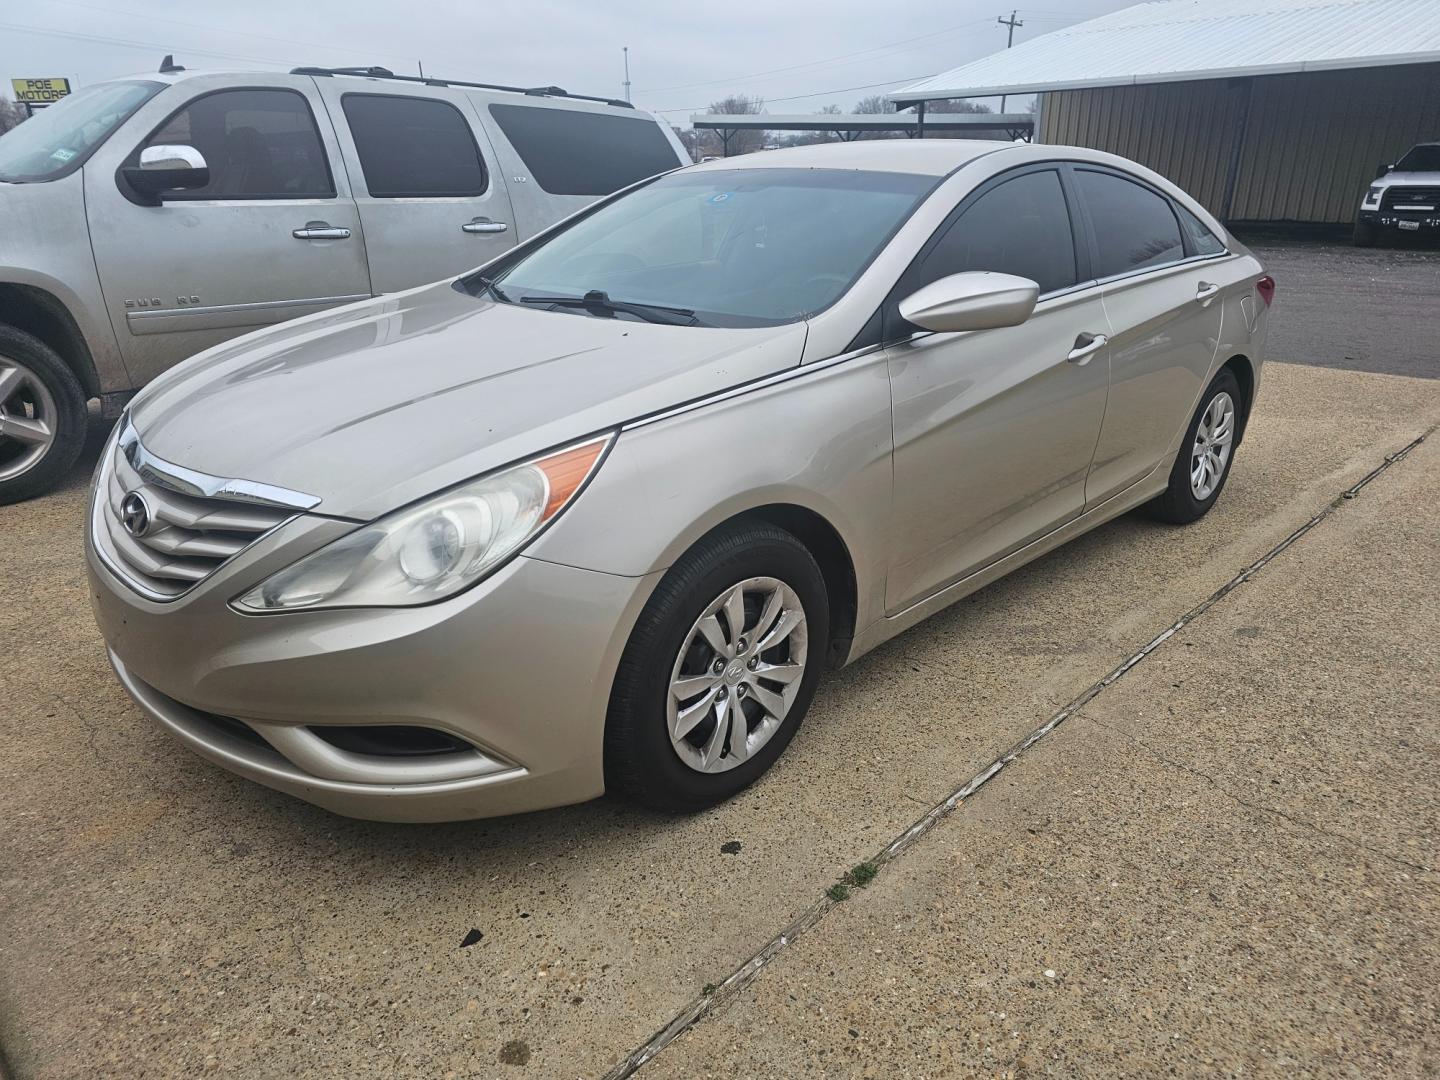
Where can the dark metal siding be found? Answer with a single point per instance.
(1312, 143)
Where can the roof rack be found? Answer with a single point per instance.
(425, 80)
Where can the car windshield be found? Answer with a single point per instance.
(58, 139)
(1420, 159)
(739, 247)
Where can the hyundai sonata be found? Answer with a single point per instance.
(597, 515)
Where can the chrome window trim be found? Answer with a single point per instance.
(178, 478)
(1142, 271)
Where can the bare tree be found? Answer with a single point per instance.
(741, 141)
(11, 114)
(875, 103)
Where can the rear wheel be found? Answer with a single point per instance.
(1203, 464)
(719, 671)
(42, 416)
(1364, 235)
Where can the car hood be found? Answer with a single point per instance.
(1417, 178)
(377, 404)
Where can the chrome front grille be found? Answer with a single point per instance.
(164, 528)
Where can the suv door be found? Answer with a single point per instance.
(210, 263)
(994, 429)
(1162, 290)
(432, 201)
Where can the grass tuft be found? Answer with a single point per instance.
(838, 892)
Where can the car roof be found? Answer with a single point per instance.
(927, 157)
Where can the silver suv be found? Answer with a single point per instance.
(1405, 196)
(147, 219)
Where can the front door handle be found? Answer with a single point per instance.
(1086, 346)
(1205, 293)
(484, 225)
(320, 230)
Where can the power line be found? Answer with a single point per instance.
(142, 45)
(121, 12)
(823, 60)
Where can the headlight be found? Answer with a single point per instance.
(437, 547)
(1373, 195)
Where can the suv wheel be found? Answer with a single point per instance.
(719, 670)
(42, 416)
(1364, 235)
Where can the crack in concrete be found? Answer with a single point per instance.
(1258, 808)
(712, 997)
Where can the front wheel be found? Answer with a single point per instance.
(719, 670)
(42, 416)
(1203, 463)
(1364, 235)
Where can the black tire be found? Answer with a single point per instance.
(640, 761)
(1364, 235)
(1178, 504)
(69, 421)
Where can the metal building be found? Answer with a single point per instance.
(1273, 111)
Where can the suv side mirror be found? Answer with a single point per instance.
(167, 168)
(975, 300)
(1381, 170)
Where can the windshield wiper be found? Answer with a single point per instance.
(493, 289)
(595, 301)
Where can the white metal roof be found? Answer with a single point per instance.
(1178, 40)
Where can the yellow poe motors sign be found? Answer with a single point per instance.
(38, 93)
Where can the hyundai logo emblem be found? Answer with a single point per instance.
(135, 514)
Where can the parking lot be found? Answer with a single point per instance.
(1217, 859)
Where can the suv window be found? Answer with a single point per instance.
(414, 148)
(1134, 226)
(1020, 227)
(577, 152)
(1202, 240)
(259, 144)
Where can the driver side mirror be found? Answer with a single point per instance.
(975, 300)
(1381, 170)
(167, 168)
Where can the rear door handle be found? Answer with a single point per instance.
(320, 230)
(484, 225)
(1086, 346)
(1205, 293)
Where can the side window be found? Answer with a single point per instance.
(259, 144)
(413, 148)
(578, 152)
(1202, 240)
(1134, 227)
(1019, 227)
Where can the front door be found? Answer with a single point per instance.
(995, 429)
(272, 236)
(431, 198)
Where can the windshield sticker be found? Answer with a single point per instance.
(721, 197)
(62, 154)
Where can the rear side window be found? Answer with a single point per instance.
(575, 152)
(1202, 240)
(413, 148)
(1019, 227)
(258, 144)
(1134, 227)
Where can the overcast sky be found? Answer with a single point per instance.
(682, 55)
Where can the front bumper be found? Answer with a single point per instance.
(519, 666)
(1388, 219)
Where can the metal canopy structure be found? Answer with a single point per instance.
(850, 126)
(1183, 40)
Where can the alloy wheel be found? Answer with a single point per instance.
(1214, 439)
(737, 674)
(27, 418)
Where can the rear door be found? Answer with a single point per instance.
(994, 429)
(559, 158)
(431, 199)
(208, 264)
(1162, 286)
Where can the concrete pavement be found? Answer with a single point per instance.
(162, 917)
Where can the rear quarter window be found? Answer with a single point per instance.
(578, 152)
(1135, 229)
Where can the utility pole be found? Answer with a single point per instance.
(421, 64)
(1012, 23)
(626, 50)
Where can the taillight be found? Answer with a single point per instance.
(1266, 288)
